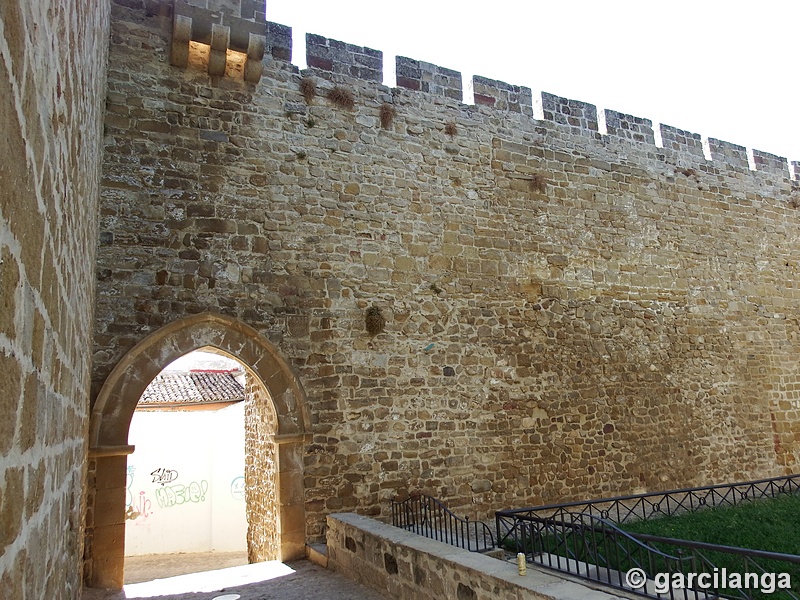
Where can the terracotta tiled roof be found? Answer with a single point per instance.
(194, 387)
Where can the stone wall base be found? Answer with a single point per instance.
(406, 566)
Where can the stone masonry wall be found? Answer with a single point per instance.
(52, 79)
(570, 309)
(261, 491)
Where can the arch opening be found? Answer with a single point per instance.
(186, 479)
(277, 422)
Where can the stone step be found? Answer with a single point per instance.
(318, 554)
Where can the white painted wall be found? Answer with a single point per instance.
(186, 481)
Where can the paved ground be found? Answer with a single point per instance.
(160, 566)
(299, 580)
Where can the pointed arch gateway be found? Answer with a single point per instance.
(116, 402)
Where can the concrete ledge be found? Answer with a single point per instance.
(406, 566)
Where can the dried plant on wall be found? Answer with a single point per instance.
(374, 320)
(388, 113)
(342, 97)
(309, 89)
(538, 183)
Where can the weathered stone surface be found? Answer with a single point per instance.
(261, 492)
(569, 313)
(407, 566)
(52, 81)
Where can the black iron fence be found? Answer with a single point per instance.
(427, 516)
(582, 538)
(651, 566)
(642, 507)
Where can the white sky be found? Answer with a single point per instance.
(723, 69)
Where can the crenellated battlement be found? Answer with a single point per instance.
(627, 127)
(582, 118)
(502, 96)
(279, 41)
(345, 59)
(681, 141)
(770, 163)
(426, 77)
(730, 154)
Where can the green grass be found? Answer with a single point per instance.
(772, 525)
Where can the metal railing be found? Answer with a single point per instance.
(642, 507)
(427, 516)
(582, 538)
(595, 549)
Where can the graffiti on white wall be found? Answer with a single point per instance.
(128, 483)
(184, 487)
(237, 488)
(175, 495)
(137, 507)
(143, 506)
(163, 476)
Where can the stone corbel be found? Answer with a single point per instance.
(221, 32)
(220, 40)
(254, 67)
(181, 36)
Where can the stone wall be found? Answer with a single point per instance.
(260, 471)
(571, 310)
(52, 79)
(406, 566)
